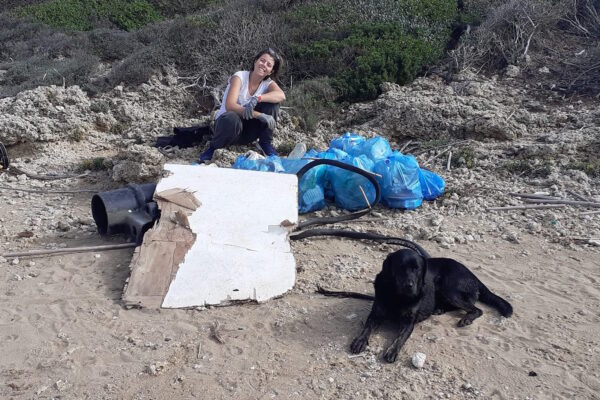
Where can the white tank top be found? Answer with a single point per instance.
(244, 95)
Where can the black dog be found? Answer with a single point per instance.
(410, 288)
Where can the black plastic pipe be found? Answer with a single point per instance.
(128, 210)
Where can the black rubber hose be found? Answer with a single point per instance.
(4, 162)
(330, 220)
(362, 235)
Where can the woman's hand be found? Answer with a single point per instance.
(248, 112)
(267, 119)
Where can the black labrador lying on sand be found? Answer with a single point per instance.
(410, 288)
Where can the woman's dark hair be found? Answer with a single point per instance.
(277, 65)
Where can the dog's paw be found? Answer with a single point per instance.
(391, 354)
(358, 345)
(464, 322)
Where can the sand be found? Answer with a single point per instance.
(65, 334)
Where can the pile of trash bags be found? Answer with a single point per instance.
(403, 183)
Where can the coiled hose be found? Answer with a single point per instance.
(302, 234)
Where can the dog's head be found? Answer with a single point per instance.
(404, 272)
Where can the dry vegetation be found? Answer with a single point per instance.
(561, 36)
(324, 42)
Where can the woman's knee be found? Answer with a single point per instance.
(271, 109)
(227, 129)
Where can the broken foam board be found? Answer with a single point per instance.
(239, 239)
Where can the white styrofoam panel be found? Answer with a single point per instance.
(241, 250)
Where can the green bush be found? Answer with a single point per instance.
(111, 44)
(361, 45)
(310, 101)
(83, 15)
(41, 71)
(369, 55)
(172, 8)
(353, 46)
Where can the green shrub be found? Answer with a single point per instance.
(362, 45)
(310, 101)
(92, 164)
(529, 167)
(172, 8)
(464, 157)
(112, 45)
(590, 167)
(83, 15)
(383, 53)
(368, 56)
(138, 67)
(41, 71)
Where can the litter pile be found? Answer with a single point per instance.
(403, 183)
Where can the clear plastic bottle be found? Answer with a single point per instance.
(298, 152)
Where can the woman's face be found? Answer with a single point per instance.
(263, 66)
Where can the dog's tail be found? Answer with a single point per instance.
(493, 300)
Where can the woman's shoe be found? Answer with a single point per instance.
(207, 155)
(267, 148)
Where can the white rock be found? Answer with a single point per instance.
(15, 261)
(512, 71)
(418, 360)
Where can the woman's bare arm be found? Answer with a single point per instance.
(234, 91)
(274, 94)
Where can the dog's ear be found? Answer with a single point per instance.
(387, 266)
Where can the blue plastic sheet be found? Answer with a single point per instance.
(347, 184)
(400, 185)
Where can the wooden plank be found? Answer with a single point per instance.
(156, 261)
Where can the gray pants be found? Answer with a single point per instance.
(231, 129)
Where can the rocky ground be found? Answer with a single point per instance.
(66, 335)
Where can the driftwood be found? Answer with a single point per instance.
(48, 191)
(526, 207)
(405, 146)
(69, 250)
(578, 196)
(17, 170)
(589, 213)
(562, 201)
(535, 196)
(215, 332)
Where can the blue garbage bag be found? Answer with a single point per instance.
(331, 154)
(376, 148)
(312, 153)
(432, 185)
(346, 142)
(311, 194)
(347, 184)
(400, 185)
(268, 164)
